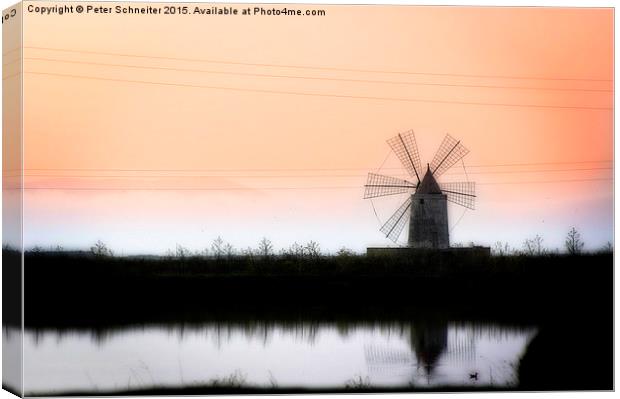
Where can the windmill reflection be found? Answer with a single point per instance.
(429, 344)
(428, 341)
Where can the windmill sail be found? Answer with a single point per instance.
(406, 149)
(461, 193)
(380, 185)
(395, 224)
(450, 152)
(425, 209)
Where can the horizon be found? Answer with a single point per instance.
(207, 251)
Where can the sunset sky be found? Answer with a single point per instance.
(147, 131)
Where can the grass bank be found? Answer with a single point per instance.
(83, 290)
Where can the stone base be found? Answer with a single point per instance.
(407, 251)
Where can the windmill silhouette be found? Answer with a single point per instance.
(426, 207)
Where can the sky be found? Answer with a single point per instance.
(151, 131)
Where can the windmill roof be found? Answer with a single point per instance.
(429, 184)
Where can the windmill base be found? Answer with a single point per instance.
(476, 251)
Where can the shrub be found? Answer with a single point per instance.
(533, 246)
(100, 249)
(573, 242)
(265, 248)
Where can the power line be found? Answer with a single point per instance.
(544, 181)
(539, 163)
(12, 50)
(305, 176)
(264, 91)
(527, 171)
(316, 67)
(315, 77)
(7, 63)
(278, 188)
(11, 76)
(300, 169)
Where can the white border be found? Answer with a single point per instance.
(547, 3)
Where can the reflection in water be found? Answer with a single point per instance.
(429, 342)
(440, 353)
(274, 354)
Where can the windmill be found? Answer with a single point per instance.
(426, 207)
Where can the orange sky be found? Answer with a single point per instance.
(139, 114)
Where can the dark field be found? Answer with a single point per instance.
(568, 298)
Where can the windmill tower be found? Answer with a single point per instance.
(426, 205)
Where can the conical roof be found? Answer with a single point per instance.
(429, 184)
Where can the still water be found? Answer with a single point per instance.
(274, 355)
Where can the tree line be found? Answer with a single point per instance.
(218, 248)
(573, 245)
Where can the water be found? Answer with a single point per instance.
(315, 355)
